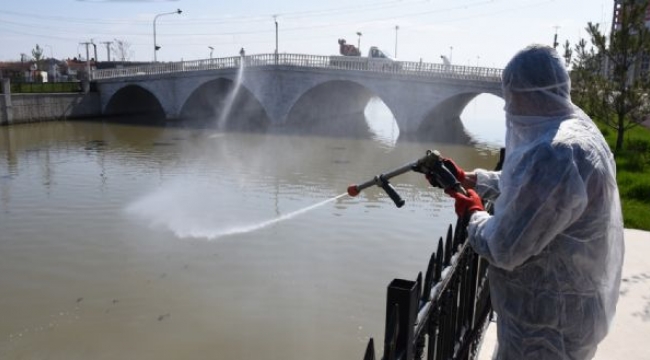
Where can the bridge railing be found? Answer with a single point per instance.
(406, 68)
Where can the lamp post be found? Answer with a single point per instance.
(359, 41)
(396, 28)
(275, 19)
(155, 45)
(451, 50)
(95, 49)
(211, 50)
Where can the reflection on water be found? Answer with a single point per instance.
(484, 119)
(104, 249)
(381, 122)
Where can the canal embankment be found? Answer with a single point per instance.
(33, 107)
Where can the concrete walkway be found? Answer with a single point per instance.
(630, 334)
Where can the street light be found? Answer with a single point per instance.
(211, 50)
(275, 19)
(451, 50)
(359, 41)
(155, 45)
(396, 28)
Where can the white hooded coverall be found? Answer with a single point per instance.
(555, 241)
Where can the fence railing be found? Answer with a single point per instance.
(446, 313)
(419, 69)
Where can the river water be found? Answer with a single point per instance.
(142, 242)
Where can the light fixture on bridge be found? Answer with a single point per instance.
(155, 45)
(396, 28)
(359, 41)
(211, 50)
(275, 19)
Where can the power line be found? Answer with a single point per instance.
(212, 21)
(62, 33)
(302, 28)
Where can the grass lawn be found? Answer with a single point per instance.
(633, 175)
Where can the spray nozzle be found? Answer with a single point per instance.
(431, 164)
(353, 190)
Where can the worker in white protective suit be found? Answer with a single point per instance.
(555, 241)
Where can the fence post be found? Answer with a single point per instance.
(7, 115)
(404, 294)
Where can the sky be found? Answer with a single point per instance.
(470, 32)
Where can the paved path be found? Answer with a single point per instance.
(630, 334)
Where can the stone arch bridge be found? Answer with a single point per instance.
(284, 86)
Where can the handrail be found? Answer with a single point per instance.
(448, 311)
(406, 68)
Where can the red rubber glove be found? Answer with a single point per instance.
(466, 205)
(458, 172)
(454, 169)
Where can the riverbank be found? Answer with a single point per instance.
(25, 108)
(628, 336)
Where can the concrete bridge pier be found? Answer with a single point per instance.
(266, 88)
(425, 106)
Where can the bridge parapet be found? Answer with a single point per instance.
(408, 68)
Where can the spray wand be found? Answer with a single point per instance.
(431, 164)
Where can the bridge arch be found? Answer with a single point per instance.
(443, 119)
(135, 102)
(333, 106)
(223, 103)
(281, 85)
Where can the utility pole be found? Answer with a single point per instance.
(87, 57)
(108, 49)
(555, 43)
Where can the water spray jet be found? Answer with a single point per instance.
(230, 99)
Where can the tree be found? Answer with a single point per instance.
(37, 55)
(619, 79)
(122, 49)
(586, 78)
(568, 53)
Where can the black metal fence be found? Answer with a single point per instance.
(444, 315)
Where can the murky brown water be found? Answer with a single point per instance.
(131, 242)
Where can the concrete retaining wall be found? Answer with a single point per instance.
(23, 108)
